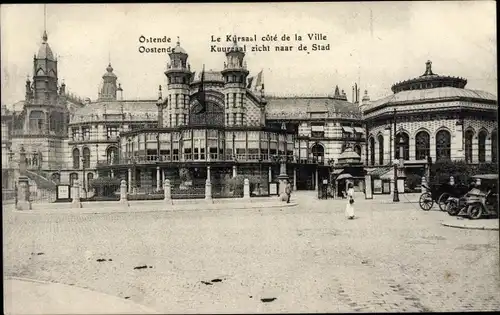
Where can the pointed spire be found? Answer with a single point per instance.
(337, 92)
(45, 37)
(178, 41)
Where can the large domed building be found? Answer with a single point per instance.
(239, 130)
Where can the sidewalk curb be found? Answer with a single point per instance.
(146, 309)
(470, 227)
(235, 206)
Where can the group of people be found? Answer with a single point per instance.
(349, 194)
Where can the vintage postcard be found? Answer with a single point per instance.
(250, 157)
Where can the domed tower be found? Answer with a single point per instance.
(235, 77)
(179, 77)
(109, 87)
(45, 75)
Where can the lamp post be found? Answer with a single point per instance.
(84, 186)
(260, 174)
(395, 197)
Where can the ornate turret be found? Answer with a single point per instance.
(108, 89)
(179, 77)
(429, 80)
(235, 77)
(45, 87)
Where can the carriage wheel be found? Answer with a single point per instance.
(475, 211)
(442, 201)
(426, 201)
(452, 207)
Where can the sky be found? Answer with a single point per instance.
(375, 44)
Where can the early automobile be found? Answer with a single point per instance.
(480, 201)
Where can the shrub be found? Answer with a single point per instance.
(413, 181)
(105, 186)
(462, 172)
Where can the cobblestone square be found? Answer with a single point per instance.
(309, 258)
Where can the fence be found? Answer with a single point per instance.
(224, 190)
(187, 190)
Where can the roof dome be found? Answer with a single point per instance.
(109, 72)
(45, 52)
(178, 49)
(348, 154)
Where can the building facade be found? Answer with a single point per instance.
(240, 131)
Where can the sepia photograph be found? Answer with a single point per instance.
(209, 158)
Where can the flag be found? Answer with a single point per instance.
(249, 85)
(258, 81)
(200, 96)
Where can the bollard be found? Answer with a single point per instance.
(123, 192)
(246, 189)
(23, 194)
(452, 181)
(208, 190)
(167, 191)
(76, 195)
(424, 184)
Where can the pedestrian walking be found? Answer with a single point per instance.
(349, 208)
(288, 191)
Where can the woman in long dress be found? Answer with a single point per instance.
(349, 208)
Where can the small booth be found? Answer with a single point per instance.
(349, 169)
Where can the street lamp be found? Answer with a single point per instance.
(260, 174)
(83, 177)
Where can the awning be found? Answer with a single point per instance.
(317, 128)
(337, 171)
(347, 129)
(359, 130)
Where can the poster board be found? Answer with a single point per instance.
(368, 187)
(377, 186)
(273, 189)
(63, 193)
(401, 185)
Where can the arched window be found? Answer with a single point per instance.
(422, 145)
(443, 145)
(86, 157)
(56, 178)
(380, 150)
(76, 158)
(318, 152)
(403, 143)
(72, 178)
(357, 149)
(469, 134)
(494, 146)
(372, 151)
(482, 146)
(112, 155)
(90, 177)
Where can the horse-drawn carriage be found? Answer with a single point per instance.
(440, 194)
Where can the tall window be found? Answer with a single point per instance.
(380, 150)
(86, 157)
(494, 146)
(469, 134)
(402, 143)
(372, 151)
(112, 155)
(318, 152)
(443, 145)
(76, 158)
(75, 134)
(482, 146)
(422, 145)
(357, 149)
(73, 177)
(86, 133)
(112, 132)
(90, 177)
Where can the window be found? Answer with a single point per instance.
(75, 134)
(176, 119)
(494, 147)
(317, 131)
(235, 119)
(234, 99)
(469, 134)
(76, 158)
(372, 151)
(86, 157)
(482, 146)
(86, 133)
(422, 145)
(112, 155)
(73, 177)
(380, 150)
(176, 100)
(112, 132)
(403, 145)
(90, 178)
(357, 149)
(443, 145)
(318, 152)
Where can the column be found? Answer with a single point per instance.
(457, 152)
(270, 174)
(234, 171)
(76, 195)
(294, 178)
(129, 180)
(123, 191)
(432, 147)
(158, 181)
(316, 180)
(475, 149)
(208, 173)
(388, 148)
(112, 174)
(488, 150)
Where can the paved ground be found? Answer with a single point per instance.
(465, 223)
(393, 257)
